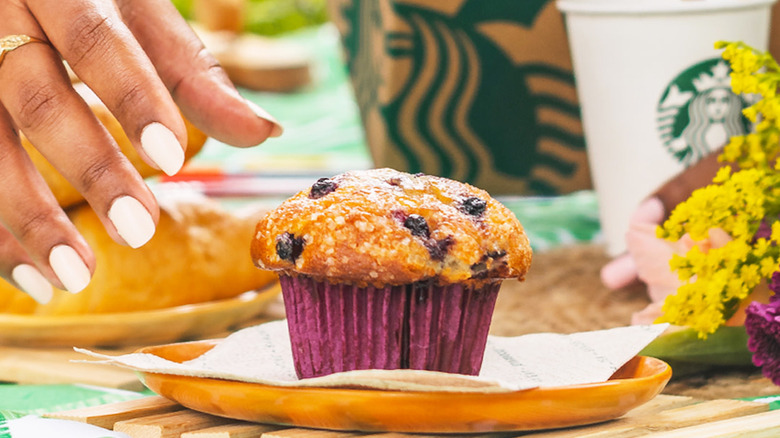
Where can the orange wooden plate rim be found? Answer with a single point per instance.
(369, 410)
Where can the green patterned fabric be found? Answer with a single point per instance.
(19, 400)
(446, 91)
(4, 417)
(558, 220)
(772, 400)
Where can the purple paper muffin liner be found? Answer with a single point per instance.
(338, 327)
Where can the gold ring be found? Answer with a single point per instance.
(12, 42)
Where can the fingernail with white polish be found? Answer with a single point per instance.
(162, 146)
(69, 268)
(263, 114)
(131, 220)
(33, 283)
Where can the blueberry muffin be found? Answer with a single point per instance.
(381, 269)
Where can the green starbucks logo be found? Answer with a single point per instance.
(698, 112)
(449, 95)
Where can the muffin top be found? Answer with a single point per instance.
(383, 227)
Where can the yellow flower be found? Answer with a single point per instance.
(760, 248)
(723, 175)
(749, 274)
(768, 266)
(738, 202)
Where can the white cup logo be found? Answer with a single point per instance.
(698, 112)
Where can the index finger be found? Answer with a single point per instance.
(102, 51)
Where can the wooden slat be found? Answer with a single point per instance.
(170, 425)
(705, 412)
(471, 435)
(54, 366)
(107, 415)
(763, 425)
(660, 403)
(311, 433)
(665, 416)
(640, 424)
(234, 430)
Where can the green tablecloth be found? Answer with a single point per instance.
(18, 400)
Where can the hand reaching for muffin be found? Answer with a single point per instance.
(149, 68)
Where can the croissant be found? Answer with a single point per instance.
(199, 253)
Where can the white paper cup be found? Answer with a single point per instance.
(654, 93)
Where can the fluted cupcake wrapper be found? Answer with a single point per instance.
(338, 327)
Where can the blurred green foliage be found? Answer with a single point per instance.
(273, 17)
(184, 7)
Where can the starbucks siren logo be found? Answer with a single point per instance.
(698, 112)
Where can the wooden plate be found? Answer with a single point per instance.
(135, 328)
(425, 412)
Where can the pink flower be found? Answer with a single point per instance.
(762, 323)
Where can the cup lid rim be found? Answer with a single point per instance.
(654, 6)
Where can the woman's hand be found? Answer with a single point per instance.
(142, 59)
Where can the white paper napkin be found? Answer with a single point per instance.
(262, 354)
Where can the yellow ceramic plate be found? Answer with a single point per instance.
(425, 412)
(135, 328)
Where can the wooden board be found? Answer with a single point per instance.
(106, 416)
(55, 366)
(665, 416)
